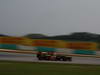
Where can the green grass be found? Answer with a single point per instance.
(29, 68)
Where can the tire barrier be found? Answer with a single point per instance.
(8, 46)
(85, 52)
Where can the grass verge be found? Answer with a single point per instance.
(30, 68)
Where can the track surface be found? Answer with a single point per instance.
(32, 58)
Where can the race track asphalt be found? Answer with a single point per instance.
(32, 58)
